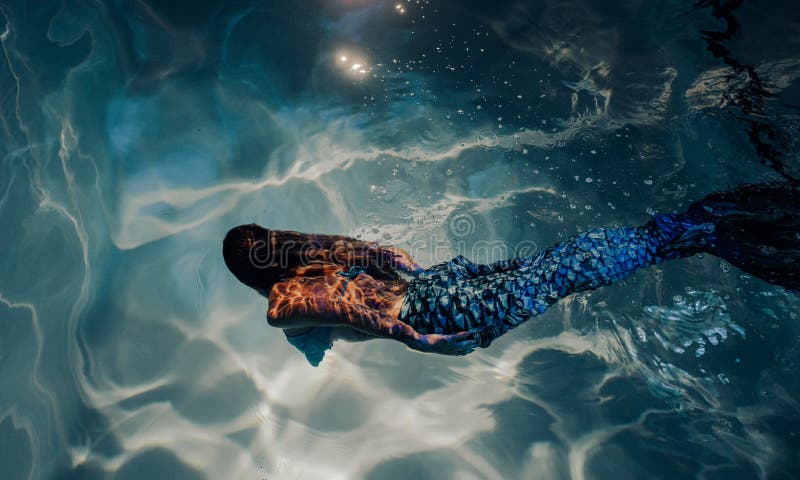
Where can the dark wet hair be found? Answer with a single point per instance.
(259, 257)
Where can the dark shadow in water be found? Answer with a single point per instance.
(747, 92)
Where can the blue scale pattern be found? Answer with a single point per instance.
(489, 300)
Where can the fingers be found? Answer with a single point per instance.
(464, 343)
(460, 343)
(401, 259)
(461, 348)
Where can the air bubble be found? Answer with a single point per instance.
(487, 140)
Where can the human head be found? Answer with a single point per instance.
(259, 257)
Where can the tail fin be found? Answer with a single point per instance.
(756, 228)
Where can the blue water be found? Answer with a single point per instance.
(133, 134)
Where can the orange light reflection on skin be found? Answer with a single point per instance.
(320, 296)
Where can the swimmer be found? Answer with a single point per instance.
(326, 287)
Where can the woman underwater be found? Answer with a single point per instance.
(324, 287)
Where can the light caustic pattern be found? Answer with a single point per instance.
(132, 139)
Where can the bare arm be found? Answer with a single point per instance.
(301, 303)
(385, 325)
(336, 312)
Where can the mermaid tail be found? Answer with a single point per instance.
(754, 227)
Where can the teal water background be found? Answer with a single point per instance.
(134, 134)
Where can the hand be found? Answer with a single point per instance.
(400, 259)
(460, 343)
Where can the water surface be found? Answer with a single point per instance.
(133, 134)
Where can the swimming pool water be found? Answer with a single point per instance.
(134, 134)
